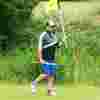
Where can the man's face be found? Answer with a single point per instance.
(52, 28)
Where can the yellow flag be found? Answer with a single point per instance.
(52, 6)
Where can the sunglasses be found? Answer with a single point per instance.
(53, 26)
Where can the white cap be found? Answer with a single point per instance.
(51, 23)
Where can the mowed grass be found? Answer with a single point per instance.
(5, 60)
(64, 92)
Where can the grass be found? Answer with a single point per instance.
(72, 10)
(77, 14)
(12, 91)
(7, 60)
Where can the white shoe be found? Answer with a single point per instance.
(34, 88)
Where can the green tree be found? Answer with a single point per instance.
(14, 15)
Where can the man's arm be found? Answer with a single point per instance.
(40, 49)
(40, 56)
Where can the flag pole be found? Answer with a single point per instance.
(61, 21)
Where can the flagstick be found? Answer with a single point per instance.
(61, 20)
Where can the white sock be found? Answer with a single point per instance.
(34, 87)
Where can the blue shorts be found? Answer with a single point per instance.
(49, 69)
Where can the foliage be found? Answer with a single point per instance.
(20, 30)
(14, 16)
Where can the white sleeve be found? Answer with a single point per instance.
(41, 40)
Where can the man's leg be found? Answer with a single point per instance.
(51, 88)
(41, 77)
(51, 79)
(38, 79)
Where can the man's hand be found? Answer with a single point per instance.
(42, 61)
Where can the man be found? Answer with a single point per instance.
(46, 52)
